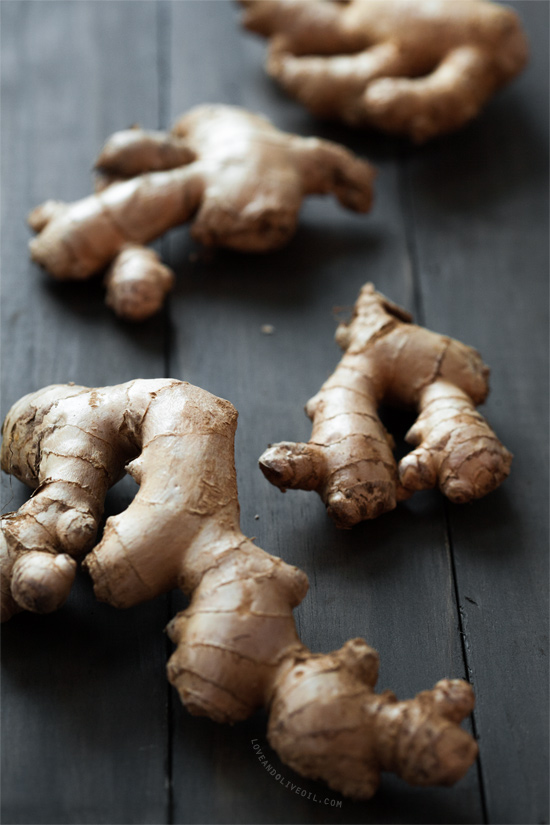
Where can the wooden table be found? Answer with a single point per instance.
(92, 731)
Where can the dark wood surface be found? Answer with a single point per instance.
(91, 730)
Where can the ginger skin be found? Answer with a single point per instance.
(182, 530)
(241, 179)
(410, 67)
(349, 459)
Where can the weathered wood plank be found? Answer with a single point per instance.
(83, 691)
(390, 581)
(479, 204)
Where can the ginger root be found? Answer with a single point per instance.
(237, 645)
(242, 179)
(349, 459)
(411, 67)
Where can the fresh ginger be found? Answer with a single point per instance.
(241, 179)
(349, 459)
(237, 645)
(413, 67)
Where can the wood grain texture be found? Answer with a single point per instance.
(478, 207)
(91, 730)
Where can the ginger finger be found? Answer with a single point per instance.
(457, 451)
(327, 168)
(41, 215)
(450, 58)
(302, 26)
(329, 86)
(135, 151)
(349, 459)
(241, 179)
(88, 234)
(237, 648)
(137, 283)
(69, 462)
(451, 95)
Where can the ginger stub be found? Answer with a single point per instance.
(237, 645)
(349, 457)
(238, 178)
(410, 67)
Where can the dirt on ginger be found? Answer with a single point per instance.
(349, 457)
(238, 178)
(237, 647)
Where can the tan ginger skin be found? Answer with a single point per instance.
(410, 67)
(237, 645)
(241, 180)
(349, 459)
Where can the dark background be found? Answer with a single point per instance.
(92, 732)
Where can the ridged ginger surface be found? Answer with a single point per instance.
(240, 180)
(237, 645)
(414, 67)
(349, 457)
